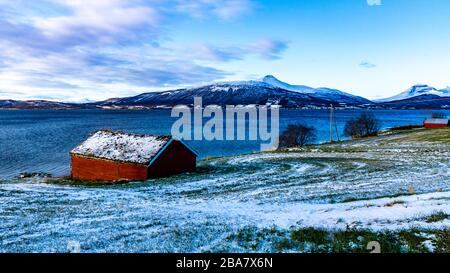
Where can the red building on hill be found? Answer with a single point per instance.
(114, 156)
(433, 123)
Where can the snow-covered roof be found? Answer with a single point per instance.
(436, 121)
(118, 146)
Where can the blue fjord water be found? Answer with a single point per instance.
(40, 141)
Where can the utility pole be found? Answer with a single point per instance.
(331, 123)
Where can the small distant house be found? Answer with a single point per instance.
(432, 123)
(115, 156)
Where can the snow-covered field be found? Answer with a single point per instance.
(393, 182)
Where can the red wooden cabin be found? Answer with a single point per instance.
(115, 156)
(433, 123)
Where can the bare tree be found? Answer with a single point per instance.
(297, 135)
(438, 115)
(365, 125)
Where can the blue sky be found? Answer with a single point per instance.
(75, 50)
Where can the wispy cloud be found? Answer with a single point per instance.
(100, 21)
(374, 2)
(79, 23)
(223, 9)
(266, 48)
(206, 52)
(269, 48)
(366, 64)
(79, 49)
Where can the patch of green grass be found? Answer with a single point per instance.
(315, 236)
(437, 217)
(252, 239)
(442, 241)
(413, 241)
(426, 135)
(409, 128)
(356, 241)
(345, 241)
(349, 200)
(393, 203)
(72, 182)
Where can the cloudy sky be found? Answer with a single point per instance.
(76, 50)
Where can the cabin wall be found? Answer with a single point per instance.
(84, 168)
(175, 159)
(434, 125)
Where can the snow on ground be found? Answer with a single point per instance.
(380, 214)
(322, 186)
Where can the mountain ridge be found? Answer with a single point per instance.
(417, 90)
(269, 90)
(266, 91)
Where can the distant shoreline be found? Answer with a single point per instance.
(168, 108)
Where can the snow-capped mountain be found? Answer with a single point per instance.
(234, 93)
(269, 79)
(426, 101)
(268, 90)
(322, 92)
(418, 90)
(445, 92)
(41, 104)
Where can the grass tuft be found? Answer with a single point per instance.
(315, 240)
(437, 217)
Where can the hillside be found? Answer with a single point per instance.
(42, 105)
(418, 102)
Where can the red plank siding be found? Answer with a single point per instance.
(91, 169)
(434, 125)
